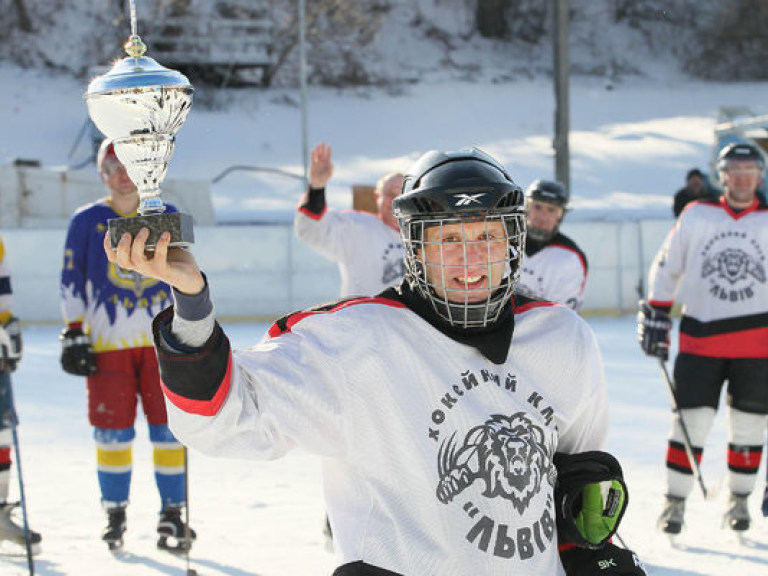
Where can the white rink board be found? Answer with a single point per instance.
(264, 271)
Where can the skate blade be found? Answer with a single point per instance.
(674, 540)
(115, 546)
(14, 549)
(173, 545)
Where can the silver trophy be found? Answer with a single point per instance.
(141, 105)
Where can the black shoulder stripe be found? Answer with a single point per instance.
(195, 375)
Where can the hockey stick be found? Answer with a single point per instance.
(686, 437)
(22, 497)
(187, 536)
(621, 540)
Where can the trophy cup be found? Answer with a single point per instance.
(140, 105)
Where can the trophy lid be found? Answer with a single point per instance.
(136, 73)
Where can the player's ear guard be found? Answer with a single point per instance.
(590, 498)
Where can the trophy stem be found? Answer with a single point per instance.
(150, 203)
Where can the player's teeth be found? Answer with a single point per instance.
(471, 279)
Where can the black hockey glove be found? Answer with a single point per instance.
(609, 561)
(653, 326)
(77, 355)
(11, 345)
(590, 498)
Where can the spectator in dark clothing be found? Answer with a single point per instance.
(696, 188)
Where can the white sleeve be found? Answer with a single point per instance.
(589, 428)
(668, 265)
(281, 393)
(328, 233)
(568, 287)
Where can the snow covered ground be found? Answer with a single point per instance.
(265, 518)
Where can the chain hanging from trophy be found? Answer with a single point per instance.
(140, 106)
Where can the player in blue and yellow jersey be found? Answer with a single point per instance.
(108, 312)
(10, 354)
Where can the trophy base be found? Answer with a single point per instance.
(178, 224)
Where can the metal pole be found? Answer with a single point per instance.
(303, 86)
(561, 68)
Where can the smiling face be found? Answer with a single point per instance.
(465, 261)
(741, 179)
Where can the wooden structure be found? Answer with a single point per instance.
(363, 198)
(217, 46)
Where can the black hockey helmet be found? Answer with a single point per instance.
(457, 184)
(549, 192)
(743, 151)
(459, 187)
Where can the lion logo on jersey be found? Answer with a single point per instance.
(507, 453)
(733, 265)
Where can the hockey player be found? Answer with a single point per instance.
(448, 446)
(713, 261)
(366, 247)
(108, 313)
(555, 268)
(10, 355)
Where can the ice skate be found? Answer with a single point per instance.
(172, 531)
(11, 531)
(737, 515)
(671, 519)
(113, 532)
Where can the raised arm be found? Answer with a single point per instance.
(320, 166)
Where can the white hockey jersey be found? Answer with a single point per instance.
(714, 262)
(556, 271)
(369, 253)
(435, 459)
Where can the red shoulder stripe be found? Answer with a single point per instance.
(534, 304)
(580, 256)
(286, 324)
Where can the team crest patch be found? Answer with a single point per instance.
(733, 264)
(497, 474)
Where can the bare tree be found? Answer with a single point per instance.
(25, 24)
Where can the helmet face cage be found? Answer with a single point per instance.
(444, 264)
